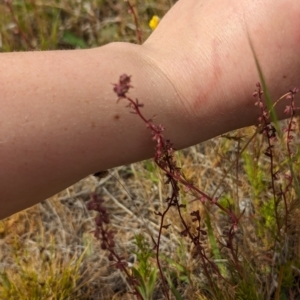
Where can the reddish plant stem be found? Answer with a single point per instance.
(270, 132)
(290, 110)
(137, 27)
(173, 175)
(157, 244)
(164, 159)
(106, 237)
(16, 21)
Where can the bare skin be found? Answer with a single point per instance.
(196, 73)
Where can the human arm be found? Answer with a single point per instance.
(196, 73)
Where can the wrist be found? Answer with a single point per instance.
(153, 88)
(208, 58)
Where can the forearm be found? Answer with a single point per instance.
(60, 120)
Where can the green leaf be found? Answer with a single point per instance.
(142, 286)
(272, 111)
(73, 40)
(265, 90)
(173, 289)
(152, 280)
(214, 245)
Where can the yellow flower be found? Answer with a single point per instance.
(154, 22)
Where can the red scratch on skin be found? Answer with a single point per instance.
(214, 76)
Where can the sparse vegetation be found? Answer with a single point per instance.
(226, 226)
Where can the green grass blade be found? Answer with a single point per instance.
(267, 95)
